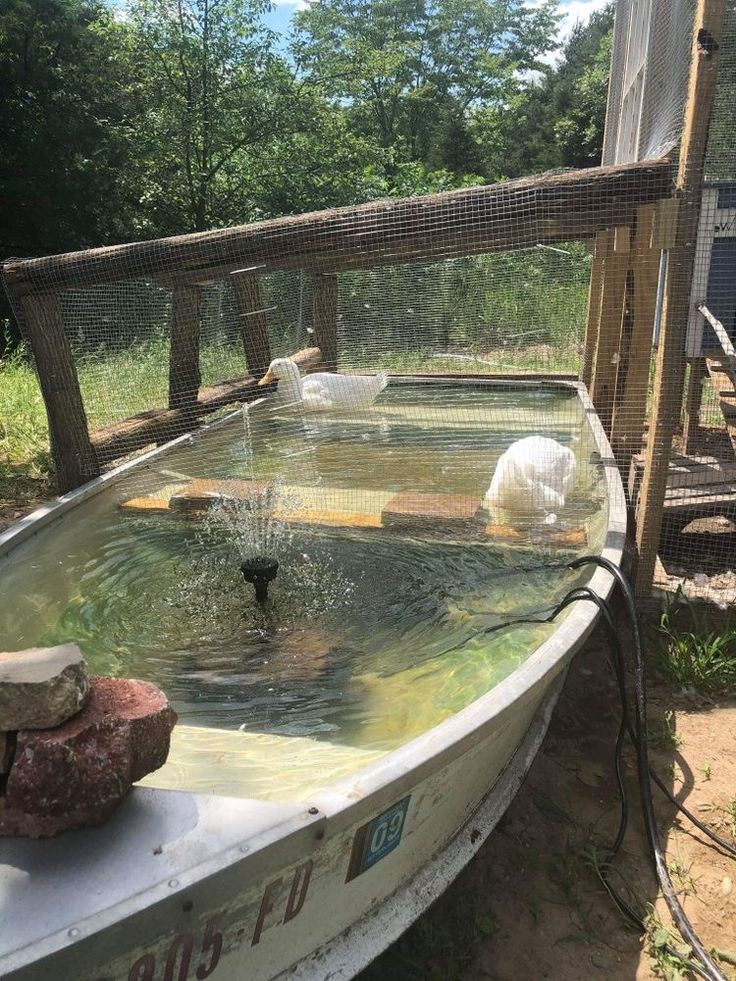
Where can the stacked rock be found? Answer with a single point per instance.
(71, 746)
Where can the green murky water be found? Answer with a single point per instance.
(369, 638)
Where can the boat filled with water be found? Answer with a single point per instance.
(348, 736)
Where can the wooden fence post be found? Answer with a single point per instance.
(184, 374)
(593, 322)
(253, 320)
(632, 387)
(324, 318)
(669, 375)
(74, 457)
(613, 294)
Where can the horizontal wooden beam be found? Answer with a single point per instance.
(498, 217)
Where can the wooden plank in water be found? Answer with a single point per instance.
(147, 505)
(335, 507)
(203, 493)
(331, 519)
(430, 512)
(512, 535)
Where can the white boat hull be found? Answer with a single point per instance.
(286, 908)
(179, 886)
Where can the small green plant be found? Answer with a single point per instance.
(691, 653)
(662, 946)
(681, 876)
(707, 770)
(731, 815)
(663, 734)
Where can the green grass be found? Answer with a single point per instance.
(664, 948)
(24, 452)
(691, 653)
(118, 384)
(497, 361)
(114, 385)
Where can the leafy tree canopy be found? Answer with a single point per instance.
(175, 115)
(409, 72)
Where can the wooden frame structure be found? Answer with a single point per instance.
(630, 283)
(555, 207)
(642, 218)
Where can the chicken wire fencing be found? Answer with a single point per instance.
(494, 313)
(423, 338)
(654, 97)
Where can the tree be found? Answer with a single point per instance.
(578, 89)
(60, 127)
(558, 119)
(62, 130)
(210, 90)
(409, 73)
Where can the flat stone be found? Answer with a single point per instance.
(41, 687)
(430, 512)
(75, 775)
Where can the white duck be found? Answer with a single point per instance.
(323, 391)
(534, 474)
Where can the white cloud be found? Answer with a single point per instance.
(296, 4)
(573, 12)
(577, 10)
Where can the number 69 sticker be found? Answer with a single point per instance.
(377, 838)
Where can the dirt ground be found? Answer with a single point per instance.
(530, 905)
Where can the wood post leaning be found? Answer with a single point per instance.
(324, 318)
(632, 383)
(610, 324)
(670, 369)
(593, 322)
(74, 457)
(184, 373)
(253, 320)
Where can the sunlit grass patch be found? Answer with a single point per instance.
(694, 654)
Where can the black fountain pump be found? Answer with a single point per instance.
(260, 570)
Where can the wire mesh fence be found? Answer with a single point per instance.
(569, 275)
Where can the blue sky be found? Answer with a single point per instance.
(572, 11)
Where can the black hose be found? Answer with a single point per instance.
(637, 732)
(709, 969)
(638, 735)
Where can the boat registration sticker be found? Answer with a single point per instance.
(376, 839)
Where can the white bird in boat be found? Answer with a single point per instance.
(323, 391)
(534, 474)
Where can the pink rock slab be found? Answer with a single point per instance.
(76, 774)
